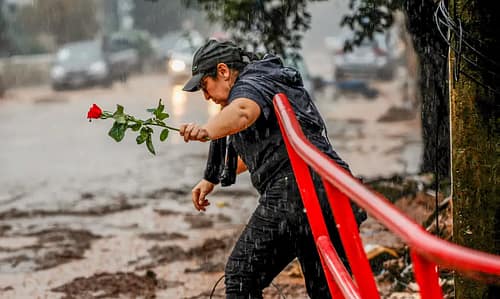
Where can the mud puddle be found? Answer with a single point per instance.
(52, 248)
(115, 285)
(208, 255)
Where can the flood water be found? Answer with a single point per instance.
(82, 215)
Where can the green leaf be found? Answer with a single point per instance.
(160, 107)
(164, 135)
(117, 132)
(119, 116)
(140, 139)
(162, 116)
(119, 109)
(149, 144)
(152, 110)
(136, 127)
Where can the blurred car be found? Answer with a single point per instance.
(167, 42)
(123, 57)
(180, 57)
(79, 64)
(140, 41)
(372, 59)
(87, 63)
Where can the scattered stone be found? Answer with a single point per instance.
(114, 285)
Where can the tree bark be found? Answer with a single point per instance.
(475, 136)
(431, 49)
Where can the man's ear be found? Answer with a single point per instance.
(223, 71)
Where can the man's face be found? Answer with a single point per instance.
(216, 88)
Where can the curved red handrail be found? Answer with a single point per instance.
(441, 252)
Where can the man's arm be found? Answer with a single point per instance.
(235, 117)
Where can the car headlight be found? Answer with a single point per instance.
(177, 65)
(98, 68)
(57, 72)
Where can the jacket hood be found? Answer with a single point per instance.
(271, 68)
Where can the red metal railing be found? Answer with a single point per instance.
(427, 251)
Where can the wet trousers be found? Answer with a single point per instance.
(278, 232)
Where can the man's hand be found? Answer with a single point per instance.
(202, 189)
(193, 131)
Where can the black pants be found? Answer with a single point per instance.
(277, 232)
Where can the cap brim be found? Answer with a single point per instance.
(194, 83)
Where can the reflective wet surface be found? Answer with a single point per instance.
(78, 209)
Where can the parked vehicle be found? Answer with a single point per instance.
(180, 56)
(167, 42)
(373, 59)
(123, 57)
(139, 40)
(87, 63)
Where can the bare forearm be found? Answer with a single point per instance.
(236, 117)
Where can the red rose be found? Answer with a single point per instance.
(94, 112)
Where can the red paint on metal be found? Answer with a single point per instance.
(427, 251)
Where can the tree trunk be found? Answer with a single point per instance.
(475, 136)
(431, 49)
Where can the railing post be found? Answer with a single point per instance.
(337, 268)
(312, 207)
(426, 275)
(349, 234)
(427, 250)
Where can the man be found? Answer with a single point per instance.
(278, 230)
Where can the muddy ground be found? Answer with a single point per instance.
(84, 217)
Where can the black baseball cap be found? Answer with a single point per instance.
(207, 57)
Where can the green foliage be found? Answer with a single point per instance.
(368, 17)
(275, 26)
(123, 121)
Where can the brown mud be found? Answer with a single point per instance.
(114, 285)
(83, 217)
(51, 249)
